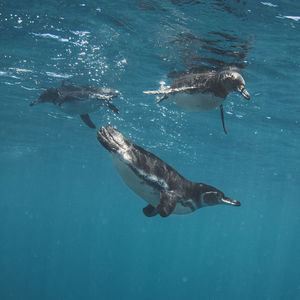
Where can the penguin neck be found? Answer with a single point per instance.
(192, 190)
(218, 88)
(196, 190)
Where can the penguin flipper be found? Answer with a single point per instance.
(112, 107)
(68, 98)
(162, 99)
(63, 83)
(167, 203)
(222, 117)
(171, 90)
(150, 211)
(86, 119)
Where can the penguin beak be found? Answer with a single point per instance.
(229, 201)
(244, 92)
(35, 102)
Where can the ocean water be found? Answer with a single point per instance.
(71, 229)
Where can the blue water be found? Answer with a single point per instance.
(71, 229)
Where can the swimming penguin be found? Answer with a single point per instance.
(204, 91)
(166, 191)
(81, 100)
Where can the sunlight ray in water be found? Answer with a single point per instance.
(172, 76)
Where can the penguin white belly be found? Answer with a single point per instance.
(142, 188)
(80, 107)
(196, 101)
(182, 210)
(136, 183)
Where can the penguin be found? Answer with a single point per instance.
(204, 91)
(73, 99)
(162, 187)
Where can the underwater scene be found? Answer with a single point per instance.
(149, 149)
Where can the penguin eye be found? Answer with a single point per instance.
(211, 198)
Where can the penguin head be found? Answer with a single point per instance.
(215, 197)
(49, 95)
(110, 92)
(234, 82)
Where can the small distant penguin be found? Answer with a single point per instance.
(204, 91)
(165, 190)
(82, 100)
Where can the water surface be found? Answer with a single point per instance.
(71, 229)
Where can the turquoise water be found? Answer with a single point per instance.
(71, 229)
